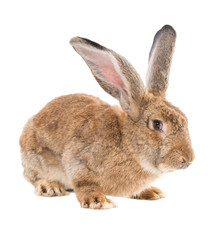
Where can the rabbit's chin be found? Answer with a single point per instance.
(164, 168)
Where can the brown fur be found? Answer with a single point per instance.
(78, 141)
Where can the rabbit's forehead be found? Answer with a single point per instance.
(173, 114)
(164, 109)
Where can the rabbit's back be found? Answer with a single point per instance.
(60, 120)
(65, 118)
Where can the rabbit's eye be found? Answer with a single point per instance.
(157, 125)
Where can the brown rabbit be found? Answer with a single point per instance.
(80, 142)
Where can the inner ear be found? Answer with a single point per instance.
(106, 70)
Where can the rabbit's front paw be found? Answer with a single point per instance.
(90, 195)
(151, 193)
(96, 201)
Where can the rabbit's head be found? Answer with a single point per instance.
(157, 130)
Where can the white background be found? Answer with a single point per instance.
(37, 64)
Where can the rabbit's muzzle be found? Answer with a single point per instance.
(177, 159)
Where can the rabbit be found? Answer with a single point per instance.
(78, 142)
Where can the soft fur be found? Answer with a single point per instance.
(80, 142)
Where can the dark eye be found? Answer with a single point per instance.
(157, 125)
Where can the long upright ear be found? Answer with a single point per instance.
(114, 74)
(160, 59)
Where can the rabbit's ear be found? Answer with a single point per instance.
(114, 74)
(160, 59)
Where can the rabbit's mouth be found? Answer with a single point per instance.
(174, 161)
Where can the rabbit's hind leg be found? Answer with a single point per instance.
(49, 188)
(44, 171)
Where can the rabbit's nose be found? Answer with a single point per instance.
(185, 163)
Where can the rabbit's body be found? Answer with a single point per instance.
(80, 142)
(91, 128)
